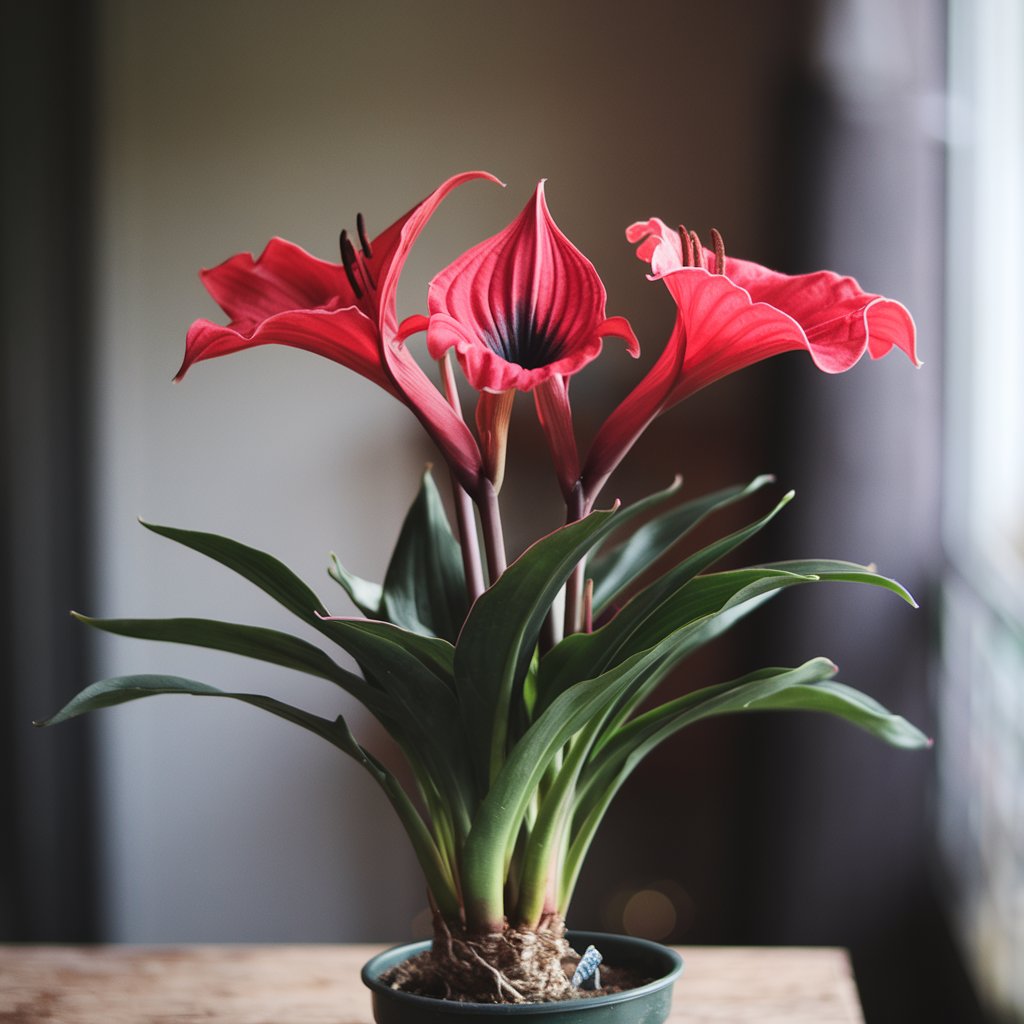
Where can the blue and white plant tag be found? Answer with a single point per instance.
(587, 976)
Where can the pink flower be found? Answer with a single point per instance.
(732, 313)
(344, 311)
(524, 311)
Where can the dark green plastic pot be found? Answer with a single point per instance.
(647, 1004)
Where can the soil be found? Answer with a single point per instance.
(513, 966)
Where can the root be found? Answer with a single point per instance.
(512, 966)
(501, 981)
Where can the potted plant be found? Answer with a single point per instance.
(522, 694)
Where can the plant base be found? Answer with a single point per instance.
(646, 1003)
(513, 966)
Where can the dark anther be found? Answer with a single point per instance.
(684, 236)
(698, 252)
(719, 244)
(348, 261)
(364, 242)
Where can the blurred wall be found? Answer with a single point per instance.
(223, 124)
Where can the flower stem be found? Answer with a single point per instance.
(494, 538)
(574, 510)
(469, 542)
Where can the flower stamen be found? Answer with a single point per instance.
(357, 270)
(684, 237)
(364, 241)
(719, 244)
(698, 252)
(348, 261)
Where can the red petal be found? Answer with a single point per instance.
(521, 307)
(345, 336)
(441, 421)
(284, 277)
(840, 320)
(657, 244)
(555, 415)
(401, 236)
(718, 330)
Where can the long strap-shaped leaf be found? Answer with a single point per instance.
(714, 603)
(701, 609)
(807, 688)
(614, 571)
(589, 654)
(425, 583)
(832, 570)
(494, 649)
(497, 822)
(415, 672)
(267, 645)
(270, 575)
(119, 690)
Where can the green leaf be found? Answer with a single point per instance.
(415, 673)
(251, 641)
(701, 610)
(807, 688)
(705, 597)
(270, 575)
(827, 569)
(614, 571)
(366, 596)
(648, 599)
(425, 585)
(120, 690)
(582, 656)
(500, 815)
(496, 644)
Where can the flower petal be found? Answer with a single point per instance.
(657, 244)
(403, 233)
(439, 419)
(521, 307)
(555, 416)
(283, 277)
(718, 330)
(841, 321)
(345, 336)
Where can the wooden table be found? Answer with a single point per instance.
(320, 985)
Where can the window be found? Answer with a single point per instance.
(981, 704)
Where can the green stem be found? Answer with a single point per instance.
(548, 837)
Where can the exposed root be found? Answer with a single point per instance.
(500, 980)
(512, 966)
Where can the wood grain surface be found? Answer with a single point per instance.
(320, 984)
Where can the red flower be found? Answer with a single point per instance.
(731, 314)
(344, 311)
(525, 310)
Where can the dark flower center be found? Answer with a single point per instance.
(522, 340)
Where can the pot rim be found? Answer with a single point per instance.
(376, 966)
